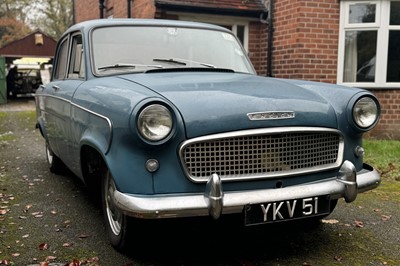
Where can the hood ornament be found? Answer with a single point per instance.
(271, 115)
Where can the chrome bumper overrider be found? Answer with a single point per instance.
(214, 201)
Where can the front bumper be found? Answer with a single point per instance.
(215, 202)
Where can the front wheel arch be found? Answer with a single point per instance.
(100, 183)
(93, 168)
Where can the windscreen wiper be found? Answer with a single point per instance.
(180, 61)
(120, 65)
(173, 61)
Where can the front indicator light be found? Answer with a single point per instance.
(365, 112)
(152, 165)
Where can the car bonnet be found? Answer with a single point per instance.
(223, 102)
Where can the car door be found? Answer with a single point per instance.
(47, 101)
(67, 77)
(75, 76)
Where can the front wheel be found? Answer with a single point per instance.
(55, 164)
(116, 222)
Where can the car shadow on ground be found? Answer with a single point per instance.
(226, 241)
(202, 240)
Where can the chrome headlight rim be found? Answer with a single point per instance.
(155, 123)
(365, 112)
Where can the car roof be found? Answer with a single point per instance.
(88, 25)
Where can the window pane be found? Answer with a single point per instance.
(360, 56)
(393, 67)
(143, 47)
(62, 61)
(362, 13)
(395, 13)
(240, 33)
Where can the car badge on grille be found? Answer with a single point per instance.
(271, 115)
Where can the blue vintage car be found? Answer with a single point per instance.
(169, 119)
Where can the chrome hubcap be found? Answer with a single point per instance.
(49, 155)
(113, 214)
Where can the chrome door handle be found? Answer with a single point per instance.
(55, 88)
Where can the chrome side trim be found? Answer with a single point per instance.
(188, 205)
(110, 127)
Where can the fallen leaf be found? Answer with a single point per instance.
(2, 212)
(359, 224)
(44, 246)
(331, 221)
(94, 259)
(50, 258)
(44, 263)
(25, 236)
(67, 245)
(82, 236)
(386, 217)
(15, 254)
(75, 262)
(338, 258)
(377, 210)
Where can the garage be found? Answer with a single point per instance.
(25, 64)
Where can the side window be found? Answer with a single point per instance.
(61, 63)
(76, 68)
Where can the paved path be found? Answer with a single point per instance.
(21, 104)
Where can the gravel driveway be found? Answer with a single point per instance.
(49, 218)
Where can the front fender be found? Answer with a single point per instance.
(96, 129)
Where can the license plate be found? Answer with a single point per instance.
(286, 210)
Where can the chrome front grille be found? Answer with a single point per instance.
(262, 153)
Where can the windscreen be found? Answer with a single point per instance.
(140, 48)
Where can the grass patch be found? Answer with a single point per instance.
(385, 156)
(7, 136)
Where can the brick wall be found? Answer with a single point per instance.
(389, 124)
(258, 46)
(306, 39)
(86, 10)
(143, 9)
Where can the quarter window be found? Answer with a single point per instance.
(369, 44)
(76, 64)
(61, 64)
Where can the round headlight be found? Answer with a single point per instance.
(365, 112)
(155, 122)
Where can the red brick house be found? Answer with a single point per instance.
(354, 43)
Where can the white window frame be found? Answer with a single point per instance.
(382, 27)
(233, 22)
